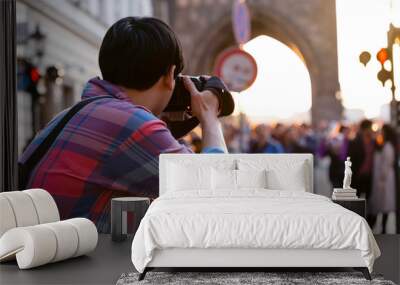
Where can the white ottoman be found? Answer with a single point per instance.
(31, 230)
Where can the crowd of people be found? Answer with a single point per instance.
(115, 149)
(371, 146)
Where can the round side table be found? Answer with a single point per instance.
(119, 208)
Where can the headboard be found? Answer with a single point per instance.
(204, 159)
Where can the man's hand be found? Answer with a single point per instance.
(204, 105)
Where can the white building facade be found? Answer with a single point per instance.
(72, 31)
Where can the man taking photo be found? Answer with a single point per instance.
(111, 146)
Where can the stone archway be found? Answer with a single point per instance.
(308, 27)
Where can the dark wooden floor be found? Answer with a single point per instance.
(110, 260)
(103, 266)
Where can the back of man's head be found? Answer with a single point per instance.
(136, 52)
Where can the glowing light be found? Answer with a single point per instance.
(282, 90)
(387, 65)
(375, 127)
(396, 70)
(35, 76)
(382, 55)
(388, 84)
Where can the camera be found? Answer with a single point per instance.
(181, 102)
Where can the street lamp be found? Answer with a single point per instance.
(38, 40)
(389, 58)
(36, 44)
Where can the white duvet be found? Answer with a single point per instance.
(250, 219)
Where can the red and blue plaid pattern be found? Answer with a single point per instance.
(109, 149)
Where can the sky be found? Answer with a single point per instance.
(282, 90)
(362, 26)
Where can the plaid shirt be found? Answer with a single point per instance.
(109, 149)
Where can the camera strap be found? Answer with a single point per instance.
(25, 168)
(181, 128)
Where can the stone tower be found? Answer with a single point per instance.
(308, 27)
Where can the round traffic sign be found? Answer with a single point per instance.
(237, 68)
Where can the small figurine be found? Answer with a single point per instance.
(347, 174)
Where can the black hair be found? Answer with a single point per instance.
(365, 124)
(343, 128)
(136, 52)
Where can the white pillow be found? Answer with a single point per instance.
(251, 178)
(281, 174)
(183, 177)
(295, 180)
(223, 179)
(227, 179)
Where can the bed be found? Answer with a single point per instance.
(247, 211)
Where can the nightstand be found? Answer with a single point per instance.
(119, 208)
(358, 205)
